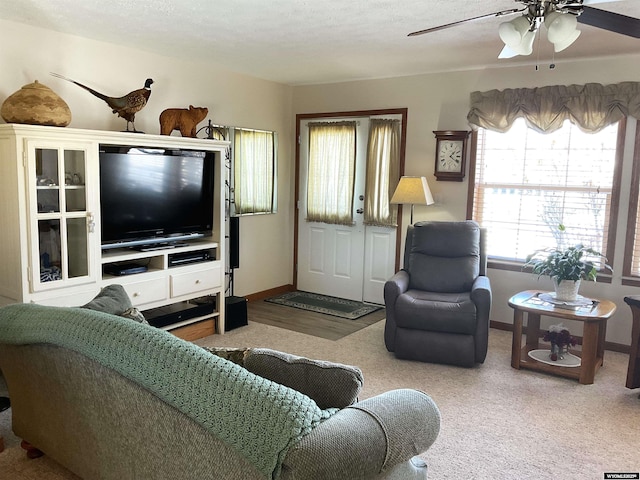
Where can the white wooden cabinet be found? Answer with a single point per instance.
(50, 244)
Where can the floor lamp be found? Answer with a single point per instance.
(413, 191)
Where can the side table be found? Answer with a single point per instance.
(594, 319)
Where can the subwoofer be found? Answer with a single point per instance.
(235, 312)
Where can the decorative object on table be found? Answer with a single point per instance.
(451, 151)
(568, 360)
(126, 106)
(580, 304)
(182, 119)
(36, 104)
(413, 191)
(567, 267)
(560, 339)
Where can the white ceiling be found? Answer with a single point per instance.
(313, 41)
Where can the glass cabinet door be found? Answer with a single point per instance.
(62, 225)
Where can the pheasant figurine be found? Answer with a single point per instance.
(126, 106)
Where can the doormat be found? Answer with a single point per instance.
(338, 307)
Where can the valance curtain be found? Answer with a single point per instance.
(383, 172)
(332, 156)
(591, 106)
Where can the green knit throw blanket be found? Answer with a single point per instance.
(259, 418)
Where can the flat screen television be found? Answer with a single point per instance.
(153, 196)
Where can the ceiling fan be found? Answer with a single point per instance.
(560, 17)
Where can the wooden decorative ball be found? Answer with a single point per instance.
(36, 104)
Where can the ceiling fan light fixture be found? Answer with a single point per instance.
(526, 46)
(507, 52)
(560, 26)
(513, 31)
(567, 42)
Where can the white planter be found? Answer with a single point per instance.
(567, 290)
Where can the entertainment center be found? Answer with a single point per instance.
(83, 209)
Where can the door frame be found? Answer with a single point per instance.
(300, 117)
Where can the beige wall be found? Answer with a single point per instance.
(29, 54)
(435, 102)
(441, 102)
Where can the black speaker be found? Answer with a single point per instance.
(234, 242)
(235, 312)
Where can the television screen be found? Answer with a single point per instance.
(149, 196)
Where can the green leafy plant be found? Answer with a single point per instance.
(572, 263)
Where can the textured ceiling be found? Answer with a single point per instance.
(313, 41)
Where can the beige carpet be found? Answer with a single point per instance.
(497, 422)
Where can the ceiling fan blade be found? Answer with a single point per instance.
(611, 21)
(441, 27)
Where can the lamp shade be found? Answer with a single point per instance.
(518, 37)
(567, 42)
(560, 26)
(512, 32)
(412, 190)
(561, 29)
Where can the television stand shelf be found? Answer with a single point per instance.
(52, 235)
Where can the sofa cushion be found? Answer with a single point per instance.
(436, 312)
(113, 299)
(330, 385)
(443, 256)
(235, 355)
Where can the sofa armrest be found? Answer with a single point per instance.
(367, 439)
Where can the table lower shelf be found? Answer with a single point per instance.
(528, 363)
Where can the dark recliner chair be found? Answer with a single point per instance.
(438, 305)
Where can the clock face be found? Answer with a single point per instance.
(450, 156)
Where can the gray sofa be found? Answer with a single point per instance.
(111, 398)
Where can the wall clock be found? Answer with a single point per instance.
(451, 151)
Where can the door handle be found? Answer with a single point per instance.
(360, 210)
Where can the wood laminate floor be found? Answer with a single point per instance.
(310, 323)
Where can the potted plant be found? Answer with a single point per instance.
(567, 268)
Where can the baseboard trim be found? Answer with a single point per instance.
(508, 327)
(612, 346)
(272, 292)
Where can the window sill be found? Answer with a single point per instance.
(631, 282)
(517, 267)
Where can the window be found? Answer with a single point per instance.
(383, 167)
(527, 183)
(254, 172)
(632, 252)
(332, 152)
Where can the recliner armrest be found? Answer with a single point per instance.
(481, 296)
(481, 291)
(396, 285)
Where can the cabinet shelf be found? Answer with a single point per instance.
(57, 187)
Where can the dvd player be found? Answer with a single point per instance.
(120, 269)
(189, 257)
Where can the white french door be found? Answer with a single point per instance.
(345, 261)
